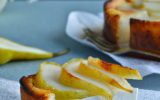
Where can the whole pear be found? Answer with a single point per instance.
(10, 50)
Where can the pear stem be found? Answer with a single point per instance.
(60, 53)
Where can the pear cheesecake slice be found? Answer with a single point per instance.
(78, 79)
(118, 15)
(10, 50)
(117, 24)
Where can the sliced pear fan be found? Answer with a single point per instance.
(48, 78)
(70, 77)
(105, 77)
(124, 72)
(149, 5)
(138, 3)
(152, 6)
(154, 15)
(10, 50)
(77, 80)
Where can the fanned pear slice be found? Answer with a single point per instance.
(105, 77)
(151, 6)
(138, 3)
(155, 16)
(70, 77)
(10, 50)
(48, 78)
(124, 72)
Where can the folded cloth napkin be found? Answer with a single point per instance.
(78, 21)
(10, 90)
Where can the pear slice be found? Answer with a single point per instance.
(124, 72)
(152, 6)
(70, 77)
(48, 78)
(138, 3)
(106, 77)
(10, 50)
(154, 15)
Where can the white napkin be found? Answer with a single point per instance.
(78, 21)
(10, 90)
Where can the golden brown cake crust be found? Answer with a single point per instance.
(111, 27)
(145, 35)
(30, 92)
(112, 4)
(111, 22)
(129, 1)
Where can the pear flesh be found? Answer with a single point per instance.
(73, 68)
(115, 69)
(10, 45)
(118, 94)
(81, 81)
(119, 79)
(105, 77)
(51, 76)
(48, 78)
(151, 6)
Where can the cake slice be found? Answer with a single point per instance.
(117, 16)
(117, 24)
(30, 92)
(145, 36)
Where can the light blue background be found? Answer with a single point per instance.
(42, 25)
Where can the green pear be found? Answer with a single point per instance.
(10, 50)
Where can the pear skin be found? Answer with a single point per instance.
(124, 72)
(5, 56)
(103, 77)
(71, 78)
(55, 86)
(10, 50)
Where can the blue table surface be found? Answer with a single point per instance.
(42, 25)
